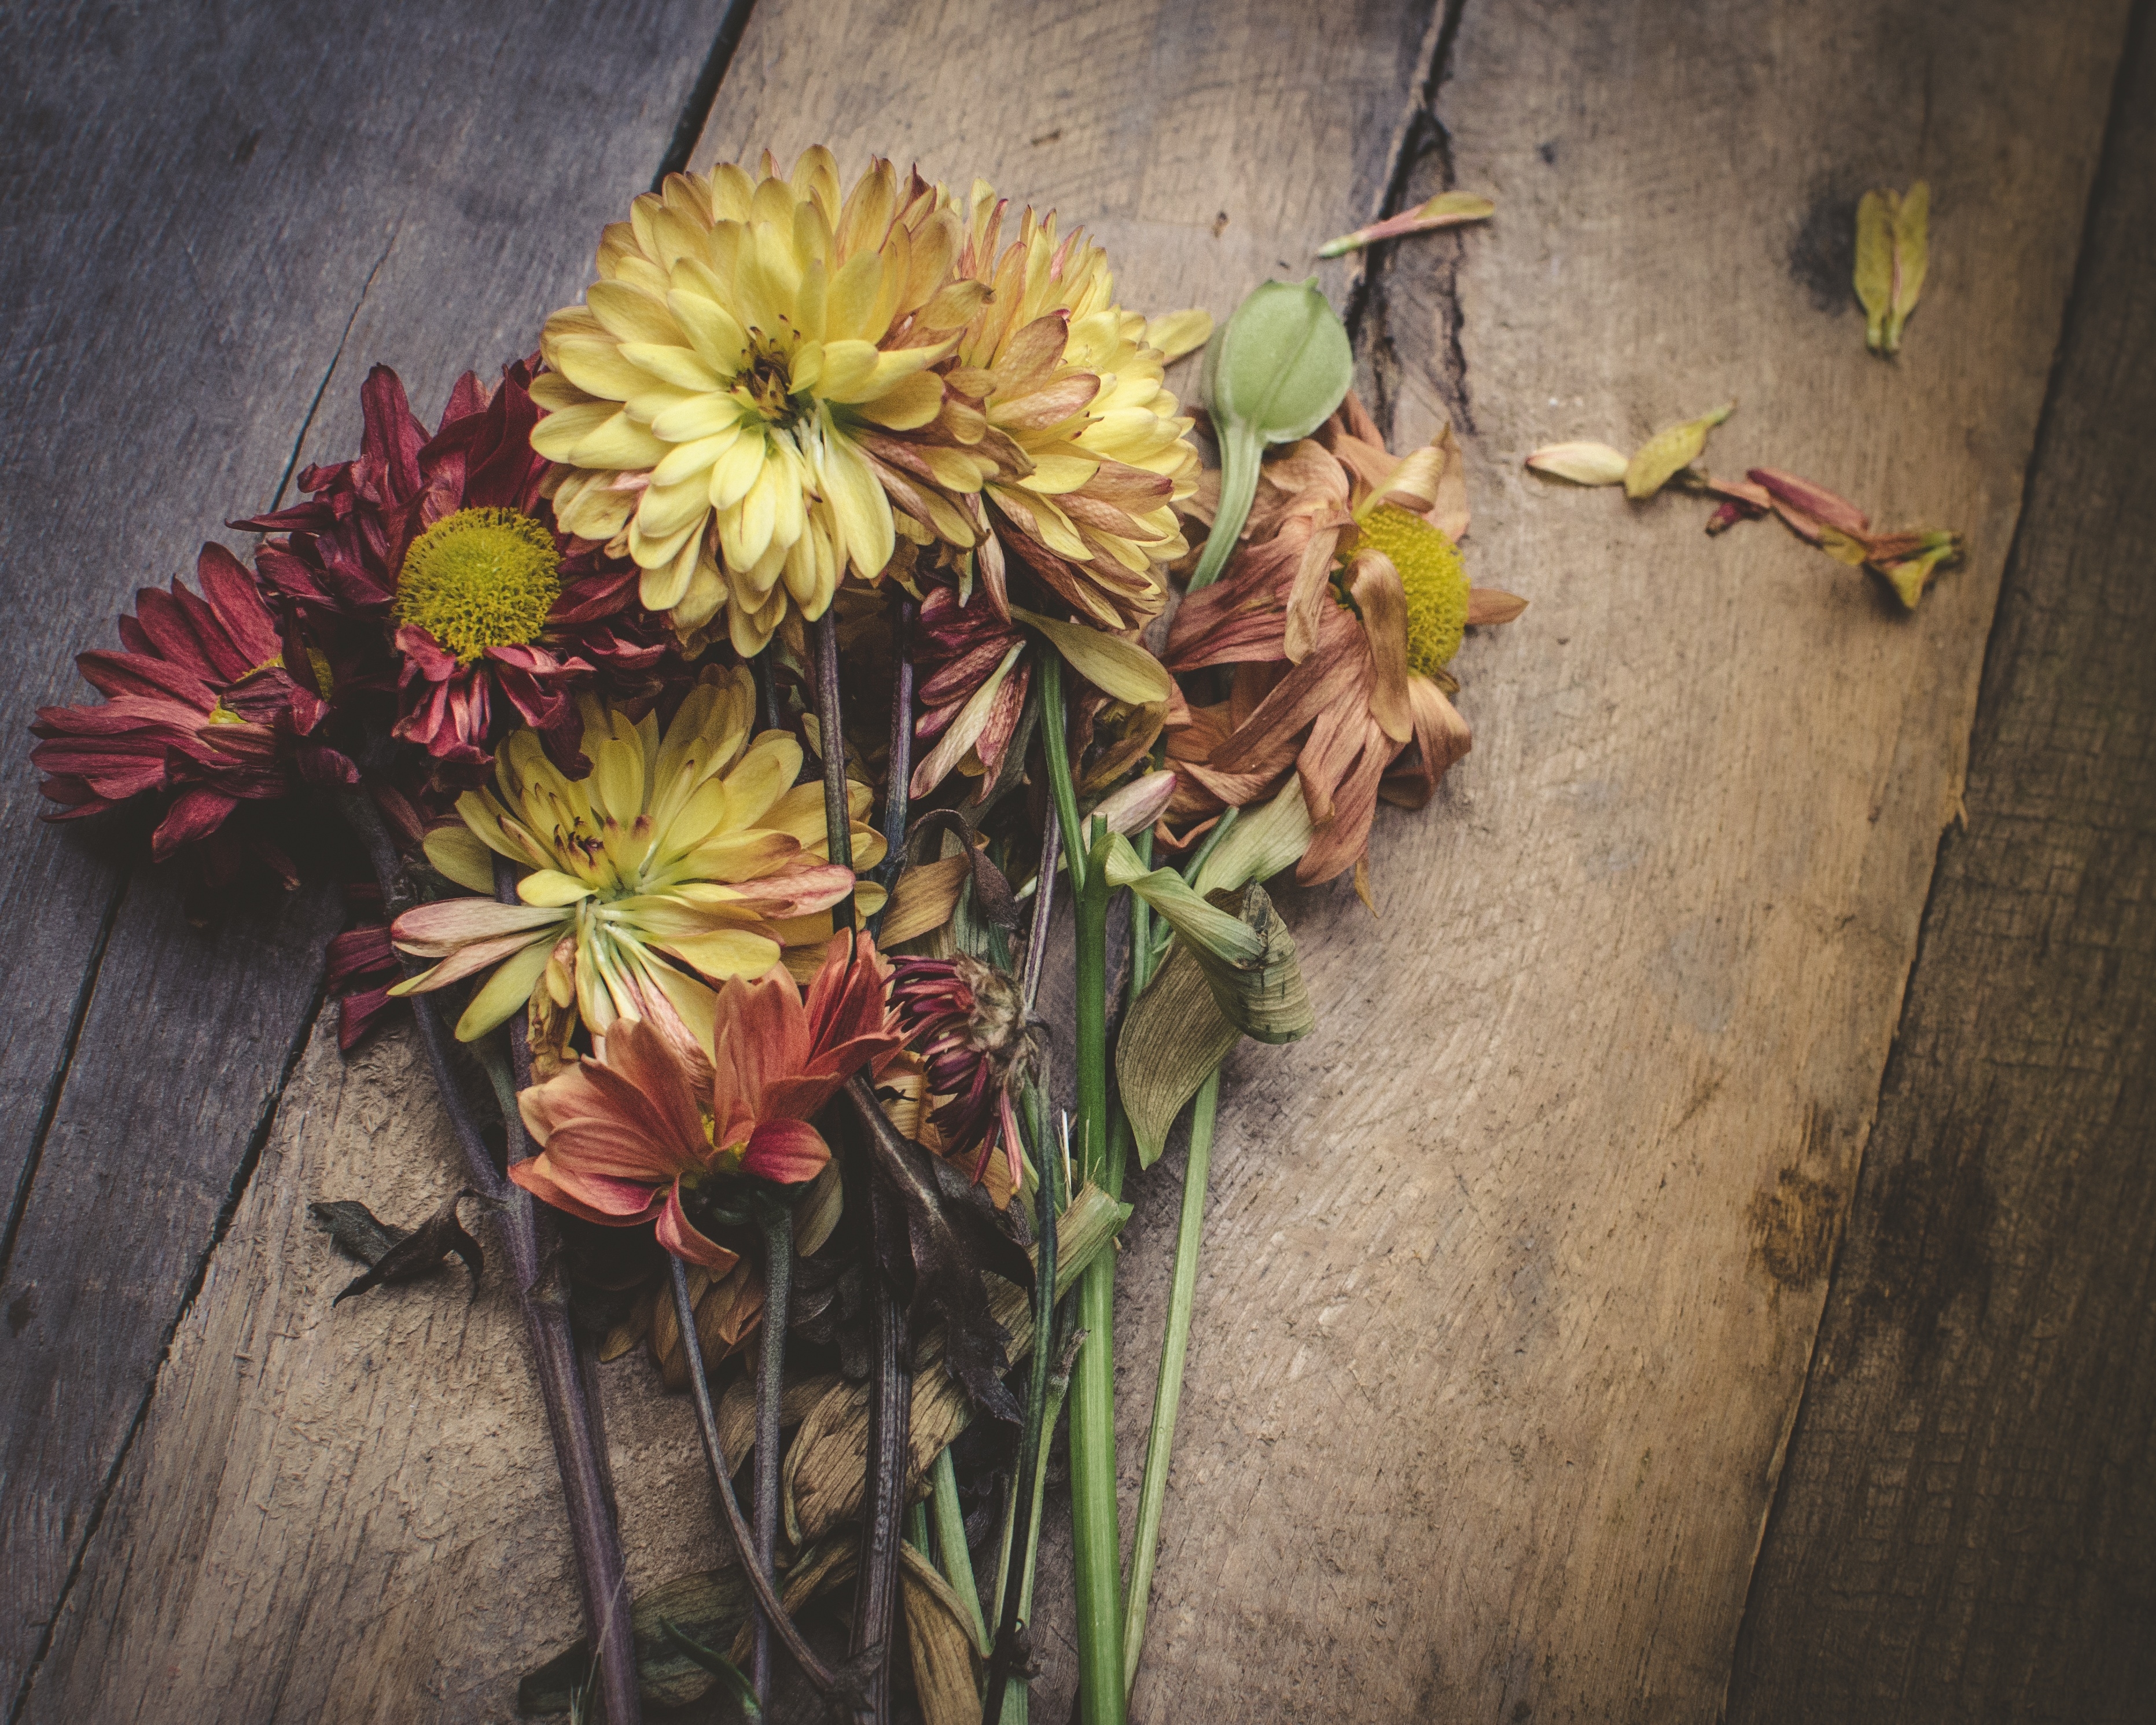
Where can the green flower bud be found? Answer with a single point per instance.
(1273, 376)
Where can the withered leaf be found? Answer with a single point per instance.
(1656, 461)
(354, 1228)
(420, 1252)
(718, 1665)
(993, 897)
(954, 1233)
(707, 1606)
(1172, 1039)
(947, 1665)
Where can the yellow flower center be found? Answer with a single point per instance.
(765, 382)
(1432, 574)
(481, 578)
(220, 714)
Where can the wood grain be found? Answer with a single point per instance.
(1967, 1525)
(216, 221)
(1513, 1268)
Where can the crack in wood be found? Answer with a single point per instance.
(696, 109)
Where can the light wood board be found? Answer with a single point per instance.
(1513, 1270)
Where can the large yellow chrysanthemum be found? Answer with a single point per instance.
(1064, 431)
(706, 400)
(682, 858)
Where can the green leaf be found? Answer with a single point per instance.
(1274, 374)
(1121, 670)
(1216, 936)
(1262, 843)
(1173, 1038)
(1266, 998)
(1656, 461)
(1875, 264)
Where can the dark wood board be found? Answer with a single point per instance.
(216, 218)
(1966, 1525)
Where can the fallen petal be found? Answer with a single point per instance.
(1448, 209)
(1656, 461)
(1584, 464)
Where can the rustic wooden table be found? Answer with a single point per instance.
(1702, 1264)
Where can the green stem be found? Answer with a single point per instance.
(1033, 1440)
(1168, 1392)
(1096, 1537)
(1241, 455)
(916, 1529)
(951, 1557)
(1055, 745)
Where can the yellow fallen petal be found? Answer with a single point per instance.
(1584, 464)
(1175, 333)
(1656, 461)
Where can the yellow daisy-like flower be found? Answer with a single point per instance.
(680, 859)
(1056, 420)
(705, 401)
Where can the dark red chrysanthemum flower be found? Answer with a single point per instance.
(974, 667)
(966, 1022)
(200, 709)
(445, 540)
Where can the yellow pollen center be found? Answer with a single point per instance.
(481, 578)
(765, 381)
(1434, 580)
(220, 714)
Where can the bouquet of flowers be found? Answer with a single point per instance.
(716, 708)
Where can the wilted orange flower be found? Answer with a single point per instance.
(631, 1135)
(1339, 615)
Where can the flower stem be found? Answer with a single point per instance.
(1033, 1436)
(1044, 910)
(571, 1415)
(891, 1407)
(952, 1556)
(770, 1388)
(820, 1676)
(1096, 1535)
(1055, 747)
(898, 766)
(1168, 1392)
(838, 816)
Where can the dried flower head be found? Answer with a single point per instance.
(966, 1022)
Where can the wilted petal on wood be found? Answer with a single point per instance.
(1875, 264)
(1913, 257)
(1807, 507)
(1448, 209)
(1656, 461)
(1584, 464)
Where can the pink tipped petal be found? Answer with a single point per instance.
(679, 1235)
(612, 1203)
(791, 1152)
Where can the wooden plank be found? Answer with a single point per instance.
(225, 219)
(356, 1520)
(1514, 1268)
(1965, 1526)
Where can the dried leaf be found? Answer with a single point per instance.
(1584, 464)
(993, 897)
(421, 1251)
(1657, 461)
(354, 1229)
(825, 1465)
(724, 1669)
(1116, 667)
(1172, 1039)
(1448, 209)
(954, 1233)
(946, 1664)
(1875, 264)
(708, 1606)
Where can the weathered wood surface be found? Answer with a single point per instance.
(1513, 1270)
(1966, 1526)
(214, 223)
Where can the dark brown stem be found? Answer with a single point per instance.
(890, 1408)
(820, 1676)
(770, 1393)
(838, 815)
(571, 1414)
(899, 767)
(1044, 908)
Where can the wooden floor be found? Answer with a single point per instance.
(1703, 1265)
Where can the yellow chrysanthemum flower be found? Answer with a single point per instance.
(706, 400)
(1055, 423)
(680, 859)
